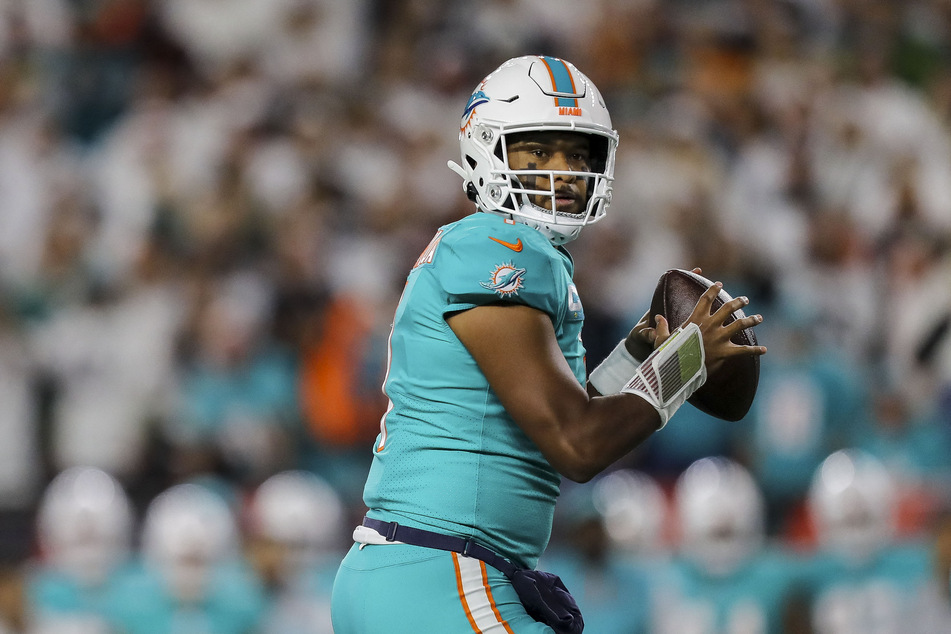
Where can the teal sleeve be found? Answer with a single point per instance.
(474, 269)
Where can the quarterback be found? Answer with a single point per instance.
(489, 402)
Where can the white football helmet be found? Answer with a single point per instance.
(300, 510)
(852, 502)
(188, 530)
(85, 524)
(722, 514)
(634, 509)
(535, 94)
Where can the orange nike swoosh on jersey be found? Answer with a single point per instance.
(515, 247)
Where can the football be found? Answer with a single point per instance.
(728, 393)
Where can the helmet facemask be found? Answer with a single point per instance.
(573, 196)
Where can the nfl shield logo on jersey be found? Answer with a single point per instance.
(575, 309)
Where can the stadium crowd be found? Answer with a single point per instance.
(208, 207)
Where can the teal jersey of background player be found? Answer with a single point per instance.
(449, 458)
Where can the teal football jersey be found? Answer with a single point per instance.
(232, 603)
(752, 598)
(883, 593)
(449, 458)
(55, 598)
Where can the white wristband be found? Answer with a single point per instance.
(672, 373)
(615, 371)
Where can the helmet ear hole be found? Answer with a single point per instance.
(599, 153)
(471, 192)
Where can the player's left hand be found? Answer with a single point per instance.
(643, 338)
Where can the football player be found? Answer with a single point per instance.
(295, 542)
(864, 577)
(488, 406)
(192, 577)
(633, 507)
(85, 525)
(726, 576)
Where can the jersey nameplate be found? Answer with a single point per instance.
(429, 253)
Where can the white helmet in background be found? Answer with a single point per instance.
(634, 509)
(188, 530)
(852, 500)
(85, 524)
(535, 94)
(299, 510)
(722, 514)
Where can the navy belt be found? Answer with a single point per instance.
(465, 546)
(543, 594)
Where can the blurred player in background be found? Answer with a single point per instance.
(614, 555)
(85, 527)
(863, 579)
(486, 380)
(725, 577)
(192, 577)
(635, 514)
(295, 537)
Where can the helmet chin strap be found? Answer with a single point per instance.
(455, 167)
(467, 184)
(521, 200)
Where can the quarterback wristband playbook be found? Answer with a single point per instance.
(671, 373)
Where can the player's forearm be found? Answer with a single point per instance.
(607, 428)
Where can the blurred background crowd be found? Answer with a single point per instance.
(207, 211)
